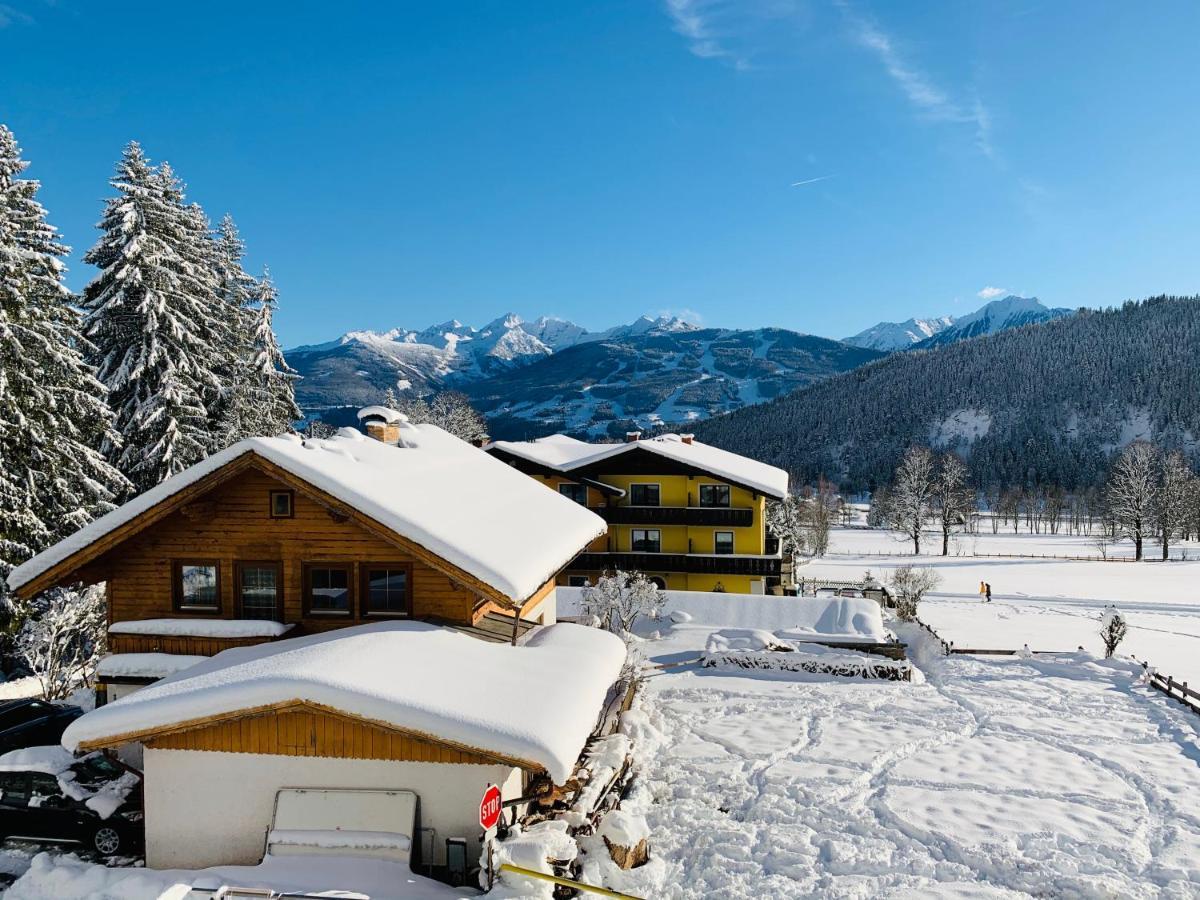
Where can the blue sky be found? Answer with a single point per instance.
(400, 164)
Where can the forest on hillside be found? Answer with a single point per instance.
(1043, 404)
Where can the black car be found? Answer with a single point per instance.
(33, 723)
(40, 805)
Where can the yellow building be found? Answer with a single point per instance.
(689, 515)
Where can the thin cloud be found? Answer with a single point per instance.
(930, 99)
(694, 20)
(812, 180)
(10, 15)
(991, 293)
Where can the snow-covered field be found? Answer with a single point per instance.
(1049, 604)
(994, 778)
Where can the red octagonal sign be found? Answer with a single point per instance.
(489, 808)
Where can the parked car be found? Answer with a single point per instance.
(48, 795)
(33, 723)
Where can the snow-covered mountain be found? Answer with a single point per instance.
(552, 374)
(999, 315)
(888, 336)
(920, 334)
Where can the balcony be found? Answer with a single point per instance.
(728, 517)
(692, 563)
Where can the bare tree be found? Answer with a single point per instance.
(1176, 486)
(910, 584)
(911, 493)
(450, 410)
(63, 645)
(821, 510)
(1112, 630)
(619, 598)
(953, 499)
(1132, 489)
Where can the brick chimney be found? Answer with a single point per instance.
(382, 423)
(687, 438)
(631, 436)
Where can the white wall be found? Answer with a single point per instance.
(206, 808)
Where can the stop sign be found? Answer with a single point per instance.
(489, 808)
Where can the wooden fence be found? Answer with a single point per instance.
(1176, 690)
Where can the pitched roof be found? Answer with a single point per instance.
(566, 454)
(411, 675)
(460, 504)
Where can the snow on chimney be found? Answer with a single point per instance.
(382, 423)
(631, 436)
(687, 438)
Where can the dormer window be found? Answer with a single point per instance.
(282, 504)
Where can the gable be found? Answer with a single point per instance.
(301, 728)
(196, 520)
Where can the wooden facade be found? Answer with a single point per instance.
(309, 729)
(230, 519)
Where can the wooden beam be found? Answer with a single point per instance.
(296, 705)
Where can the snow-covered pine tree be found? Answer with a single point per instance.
(276, 378)
(53, 413)
(149, 313)
(236, 291)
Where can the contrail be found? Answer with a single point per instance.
(812, 180)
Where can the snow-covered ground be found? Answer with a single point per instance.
(1049, 604)
(995, 777)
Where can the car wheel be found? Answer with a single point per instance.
(106, 840)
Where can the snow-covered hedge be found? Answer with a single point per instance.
(816, 660)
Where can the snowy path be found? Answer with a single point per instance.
(995, 778)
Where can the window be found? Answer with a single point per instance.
(660, 583)
(714, 495)
(198, 586)
(327, 589)
(385, 591)
(646, 540)
(259, 590)
(44, 790)
(576, 492)
(723, 542)
(577, 581)
(14, 788)
(281, 504)
(644, 495)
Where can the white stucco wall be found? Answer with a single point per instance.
(207, 808)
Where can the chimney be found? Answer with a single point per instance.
(687, 438)
(382, 424)
(631, 436)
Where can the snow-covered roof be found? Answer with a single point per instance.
(145, 665)
(536, 702)
(461, 504)
(567, 454)
(208, 628)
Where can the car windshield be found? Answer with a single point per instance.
(97, 768)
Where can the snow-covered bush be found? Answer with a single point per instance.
(63, 645)
(1112, 630)
(910, 584)
(619, 598)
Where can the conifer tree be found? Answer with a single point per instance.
(53, 412)
(150, 316)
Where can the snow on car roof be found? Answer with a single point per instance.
(566, 454)
(51, 759)
(538, 701)
(462, 504)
